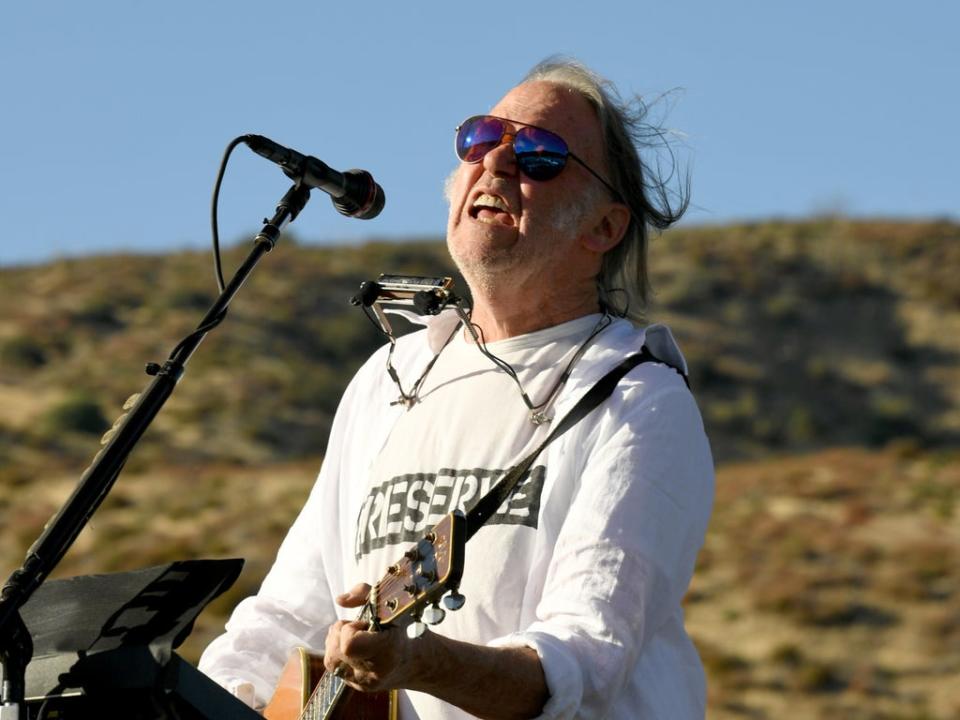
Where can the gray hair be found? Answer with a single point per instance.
(644, 189)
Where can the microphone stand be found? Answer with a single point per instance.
(16, 647)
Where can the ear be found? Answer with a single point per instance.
(608, 229)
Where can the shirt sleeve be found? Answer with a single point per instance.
(627, 548)
(294, 606)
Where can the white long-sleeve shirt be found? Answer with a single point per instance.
(587, 564)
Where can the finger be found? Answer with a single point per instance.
(332, 654)
(355, 597)
(352, 639)
(361, 645)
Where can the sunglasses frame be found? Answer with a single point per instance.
(511, 137)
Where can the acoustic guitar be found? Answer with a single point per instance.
(407, 596)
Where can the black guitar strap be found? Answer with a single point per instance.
(487, 506)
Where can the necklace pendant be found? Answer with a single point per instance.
(408, 401)
(539, 418)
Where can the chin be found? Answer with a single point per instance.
(485, 268)
(474, 239)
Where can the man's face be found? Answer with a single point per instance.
(502, 225)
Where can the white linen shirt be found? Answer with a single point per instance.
(623, 512)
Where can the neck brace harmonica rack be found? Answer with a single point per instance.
(427, 296)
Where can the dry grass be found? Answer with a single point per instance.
(830, 586)
(830, 582)
(170, 513)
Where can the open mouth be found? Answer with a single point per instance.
(490, 209)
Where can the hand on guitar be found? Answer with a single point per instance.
(366, 660)
(487, 682)
(388, 647)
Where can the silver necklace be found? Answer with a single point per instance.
(408, 400)
(538, 411)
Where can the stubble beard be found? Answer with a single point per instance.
(488, 266)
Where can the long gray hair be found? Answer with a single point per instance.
(623, 282)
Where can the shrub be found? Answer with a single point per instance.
(23, 352)
(818, 677)
(77, 413)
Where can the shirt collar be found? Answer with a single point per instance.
(439, 327)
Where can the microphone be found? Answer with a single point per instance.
(354, 193)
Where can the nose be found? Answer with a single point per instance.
(502, 160)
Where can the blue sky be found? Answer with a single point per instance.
(116, 113)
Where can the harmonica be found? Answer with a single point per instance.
(429, 295)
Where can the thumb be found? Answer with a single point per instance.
(355, 596)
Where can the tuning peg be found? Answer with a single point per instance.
(454, 600)
(433, 615)
(428, 575)
(416, 629)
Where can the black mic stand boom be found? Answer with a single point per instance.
(16, 647)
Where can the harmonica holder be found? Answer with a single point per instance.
(426, 295)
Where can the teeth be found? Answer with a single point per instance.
(491, 202)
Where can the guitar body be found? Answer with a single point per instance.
(302, 673)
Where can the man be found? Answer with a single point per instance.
(573, 592)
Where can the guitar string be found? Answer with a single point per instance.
(328, 691)
(330, 687)
(325, 695)
(389, 583)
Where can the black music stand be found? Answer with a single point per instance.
(103, 645)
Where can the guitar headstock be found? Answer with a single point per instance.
(428, 569)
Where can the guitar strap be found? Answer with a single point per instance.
(487, 506)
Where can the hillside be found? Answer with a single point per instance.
(799, 337)
(824, 356)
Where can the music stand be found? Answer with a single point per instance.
(103, 645)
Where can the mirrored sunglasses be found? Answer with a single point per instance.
(541, 154)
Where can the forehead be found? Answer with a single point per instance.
(558, 108)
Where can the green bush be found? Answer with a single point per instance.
(23, 352)
(77, 413)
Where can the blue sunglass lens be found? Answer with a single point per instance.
(478, 136)
(541, 155)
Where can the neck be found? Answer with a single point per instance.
(505, 315)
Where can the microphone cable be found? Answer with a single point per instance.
(214, 202)
(217, 262)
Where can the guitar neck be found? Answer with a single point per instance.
(417, 580)
(330, 689)
(324, 698)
